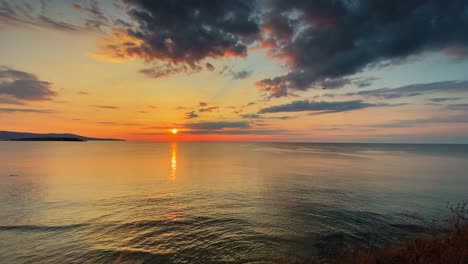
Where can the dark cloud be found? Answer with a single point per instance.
(24, 110)
(444, 99)
(202, 104)
(191, 115)
(106, 106)
(24, 86)
(209, 109)
(321, 107)
(414, 90)
(187, 32)
(326, 40)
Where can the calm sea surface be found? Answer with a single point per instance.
(127, 202)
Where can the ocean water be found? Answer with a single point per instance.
(132, 202)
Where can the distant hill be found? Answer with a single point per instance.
(25, 136)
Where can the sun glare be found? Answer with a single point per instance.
(174, 131)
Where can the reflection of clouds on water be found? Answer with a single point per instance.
(174, 160)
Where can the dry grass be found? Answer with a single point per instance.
(447, 244)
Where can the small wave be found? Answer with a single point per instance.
(39, 227)
(126, 255)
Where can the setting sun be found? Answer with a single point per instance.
(174, 131)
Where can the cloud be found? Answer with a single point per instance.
(321, 107)
(106, 106)
(40, 14)
(228, 128)
(191, 115)
(209, 109)
(240, 132)
(251, 116)
(248, 104)
(461, 107)
(183, 108)
(444, 99)
(24, 110)
(240, 75)
(168, 69)
(32, 13)
(416, 122)
(10, 100)
(187, 32)
(217, 125)
(414, 90)
(202, 104)
(96, 18)
(328, 40)
(209, 67)
(111, 123)
(257, 116)
(23, 86)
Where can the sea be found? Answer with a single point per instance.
(201, 202)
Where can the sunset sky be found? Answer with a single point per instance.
(271, 70)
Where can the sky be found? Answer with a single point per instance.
(235, 70)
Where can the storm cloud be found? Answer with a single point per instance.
(323, 43)
(327, 40)
(187, 32)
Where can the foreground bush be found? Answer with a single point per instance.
(448, 243)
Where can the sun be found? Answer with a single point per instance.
(174, 131)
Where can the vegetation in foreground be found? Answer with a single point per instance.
(447, 244)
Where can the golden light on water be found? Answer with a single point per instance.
(173, 160)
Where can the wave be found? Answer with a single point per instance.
(126, 255)
(40, 227)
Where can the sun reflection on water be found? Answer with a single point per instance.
(174, 160)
